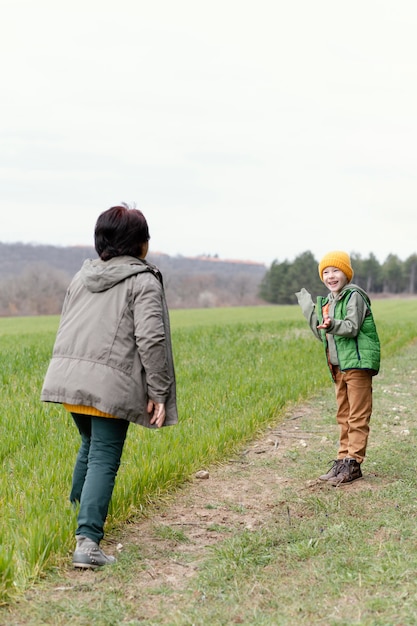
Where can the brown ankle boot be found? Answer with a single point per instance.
(349, 471)
(333, 471)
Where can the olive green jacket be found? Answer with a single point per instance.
(351, 341)
(113, 346)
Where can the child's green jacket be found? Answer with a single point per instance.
(351, 342)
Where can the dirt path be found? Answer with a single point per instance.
(244, 493)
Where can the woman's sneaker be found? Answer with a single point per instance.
(333, 471)
(88, 554)
(349, 471)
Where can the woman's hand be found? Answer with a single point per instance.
(156, 411)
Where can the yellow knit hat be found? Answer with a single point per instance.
(338, 259)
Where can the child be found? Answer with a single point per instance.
(343, 321)
(111, 365)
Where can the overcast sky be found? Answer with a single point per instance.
(247, 129)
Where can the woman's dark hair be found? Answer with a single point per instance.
(121, 230)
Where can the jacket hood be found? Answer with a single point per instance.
(98, 275)
(352, 287)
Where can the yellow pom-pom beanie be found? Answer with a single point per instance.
(338, 259)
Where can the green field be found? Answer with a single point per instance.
(237, 369)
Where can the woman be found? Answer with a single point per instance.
(112, 364)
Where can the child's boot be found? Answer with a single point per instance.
(349, 471)
(333, 471)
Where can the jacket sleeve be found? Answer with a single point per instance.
(150, 335)
(356, 310)
(309, 310)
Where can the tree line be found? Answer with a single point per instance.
(34, 279)
(40, 290)
(393, 277)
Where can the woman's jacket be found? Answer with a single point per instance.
(113, 347)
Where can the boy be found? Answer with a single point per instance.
(343, 321)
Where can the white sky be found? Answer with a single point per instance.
(251, 129)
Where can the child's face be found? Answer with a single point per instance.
(334, 279)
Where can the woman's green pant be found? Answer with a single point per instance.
(95, 471)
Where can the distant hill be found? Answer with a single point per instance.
(16, 257)
(189, 281)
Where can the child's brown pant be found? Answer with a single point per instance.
(354, 408)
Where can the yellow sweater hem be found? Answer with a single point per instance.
(86, 410)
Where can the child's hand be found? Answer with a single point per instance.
(327, 322)
(304, 297)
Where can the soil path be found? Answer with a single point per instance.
(244, 493)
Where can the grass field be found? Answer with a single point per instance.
(237, 370)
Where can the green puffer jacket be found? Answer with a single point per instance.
(361, 351)
(113, 346)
